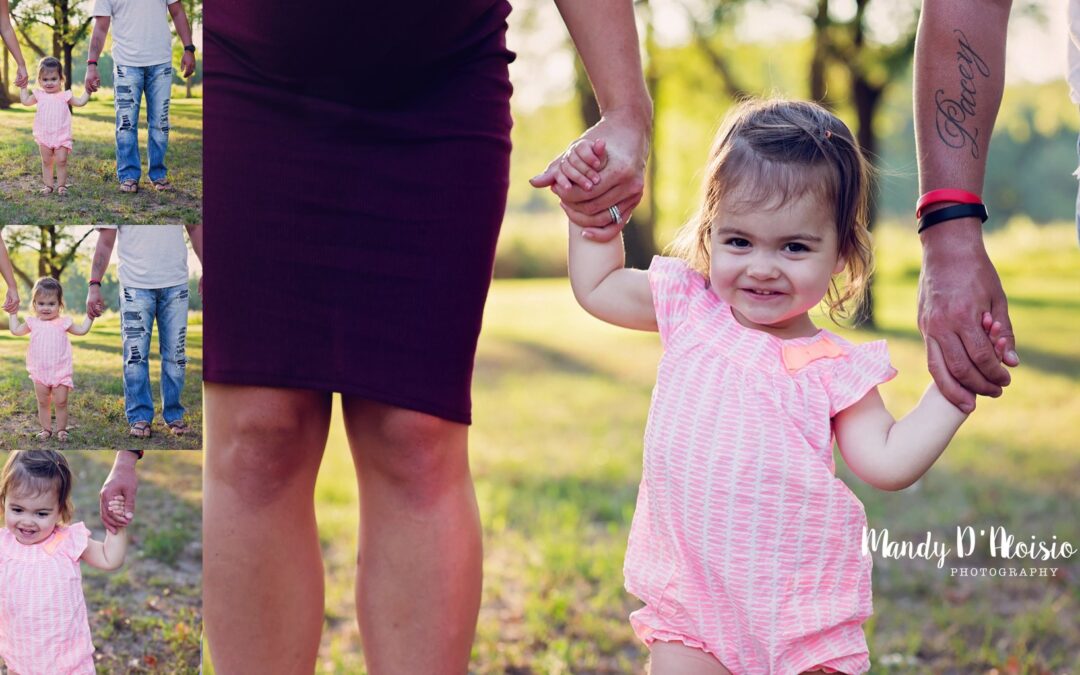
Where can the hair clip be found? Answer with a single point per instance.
(828, 134)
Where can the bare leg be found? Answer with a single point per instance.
(44, 414)
(61, 169)
(675, 658)
(263, 583)
(419, 569)
(46, 167)
(60, 401)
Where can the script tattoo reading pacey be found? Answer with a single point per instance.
(953, 114)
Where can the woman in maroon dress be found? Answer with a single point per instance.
(357, 166)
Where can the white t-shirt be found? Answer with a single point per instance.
(140, 30)
(151, 256)
(1074, 50)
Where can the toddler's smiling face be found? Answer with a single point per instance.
(49, 80)
(46, 306)
(32, 517)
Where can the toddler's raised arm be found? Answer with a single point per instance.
(80, 101)
(26, 97)
(604, 287)
(15, 326)
(890, 454)
(107, 555)
(83, 328)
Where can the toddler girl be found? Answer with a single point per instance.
(48, 360)
(744, 546)
(52, 122)
(43, 622)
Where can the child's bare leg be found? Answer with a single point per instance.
(61, 170)
(675, 658)
(46, 167)
(60, 400)
(43, 413)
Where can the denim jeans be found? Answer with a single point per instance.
(130, 83)
(138, 309)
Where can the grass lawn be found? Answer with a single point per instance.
(146, 617)
(93, 197)
(96, 405)
(561, 401)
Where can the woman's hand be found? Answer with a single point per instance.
(604, 167)
(22, 78)
(11, 302)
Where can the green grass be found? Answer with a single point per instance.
(96, 405)
(93, 196)
(145, 617)
(560, 403)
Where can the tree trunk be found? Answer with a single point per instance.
(817, 64)
(867, 99)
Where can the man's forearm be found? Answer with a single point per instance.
(195, 235)
(102, 253)
(959, 77)
(180, 22)
(97, 39)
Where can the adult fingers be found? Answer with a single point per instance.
(108, 518)
(987, 366)
(959, 363)
(950, 388)
(602, 219)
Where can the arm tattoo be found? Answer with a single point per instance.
(953, 113)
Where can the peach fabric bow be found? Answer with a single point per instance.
(799, 356)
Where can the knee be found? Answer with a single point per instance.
(261, 456)
(60, 402)
(61, 161)
(421, 455)
(43, 398)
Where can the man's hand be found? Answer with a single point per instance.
(957, 285)
(122, 483)
(11, 301)
(93, 79)
(187, 63)
(615, 149)
(95, 306)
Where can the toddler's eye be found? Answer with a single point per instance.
(796, 247)
(737, 242)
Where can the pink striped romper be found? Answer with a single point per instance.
(48, 360)
(744, 544)
(52, 122)
(43, 624)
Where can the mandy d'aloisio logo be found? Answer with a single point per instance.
(1002, 545)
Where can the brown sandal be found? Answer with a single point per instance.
(139, 430)
(129, 185)
(45, 190)
(43, 435)
(178, 428)
(162, 185)
(62, 435)
(62, 190)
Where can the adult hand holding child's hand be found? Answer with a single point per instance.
(119, 488)
(93, 79)
(11, 301)
(604, 167)
(22, 78)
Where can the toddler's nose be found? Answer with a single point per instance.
(762, 267)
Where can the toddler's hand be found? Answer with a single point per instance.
(117, 508)
(580, 164)
(993, 331)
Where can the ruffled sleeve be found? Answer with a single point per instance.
(31, 323)
(78, 535)
(672, 284)
(67, 322)
(68, 95)
(7, 541)
(861, 369)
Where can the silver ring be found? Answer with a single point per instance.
(616, 216)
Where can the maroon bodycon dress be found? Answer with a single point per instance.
(356, 170)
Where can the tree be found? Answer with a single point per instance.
(67, 21)
(56, 248)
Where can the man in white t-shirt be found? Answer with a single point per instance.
(142, 63)
(153, 275)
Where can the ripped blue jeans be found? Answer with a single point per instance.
(139, 307)
(130, 83)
